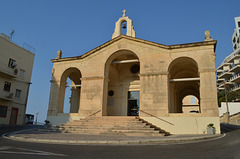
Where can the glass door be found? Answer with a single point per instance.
(133, 103)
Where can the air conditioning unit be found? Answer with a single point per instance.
(15, 71)
(10, 96)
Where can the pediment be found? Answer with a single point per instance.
(115, 40)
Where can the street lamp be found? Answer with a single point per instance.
(36, 118)
(226, 101)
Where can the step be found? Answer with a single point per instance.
(96, 124)
(136, 133)
(103, 126)
(108, 128)
(112, 125)
(106, 121)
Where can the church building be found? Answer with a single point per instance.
(128, 76)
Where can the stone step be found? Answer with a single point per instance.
(110, 131)
(107, 129)
(102, 121)
(103, 126)
(106, 123)
(136, 133)
(107, 119)
(112, 125)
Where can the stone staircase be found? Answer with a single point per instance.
(113, 125)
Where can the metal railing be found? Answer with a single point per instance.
(156, 117)
(93, 114)
(234, 76)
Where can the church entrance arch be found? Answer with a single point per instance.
(183, 81)
(71, 78)
(122, 71)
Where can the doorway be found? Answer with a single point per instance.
(14, 115)
(133, 103)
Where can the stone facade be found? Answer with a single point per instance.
(106, 80)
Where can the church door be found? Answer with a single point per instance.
(133, 103)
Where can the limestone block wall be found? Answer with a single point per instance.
(152, 80)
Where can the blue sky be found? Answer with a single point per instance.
(77, 26)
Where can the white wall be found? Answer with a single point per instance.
(234, 107)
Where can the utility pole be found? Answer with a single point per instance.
(226, 101)
(36, 118)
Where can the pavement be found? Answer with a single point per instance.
(42, 135)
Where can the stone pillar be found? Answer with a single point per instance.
(75, 95)
(153, 94)
(91, 96)
(53, 99)
(105, 97)
(208, 93)
(171, 97)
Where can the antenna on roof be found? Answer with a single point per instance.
(11, 34)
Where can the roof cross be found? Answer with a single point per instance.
(124, 12)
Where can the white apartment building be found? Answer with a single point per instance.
(16, 65)
(236, 34)
(229, 70)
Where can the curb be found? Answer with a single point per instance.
(180, 140)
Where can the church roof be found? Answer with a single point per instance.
(169, 47)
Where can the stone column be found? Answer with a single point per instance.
(208, 93)
(75, 95)
(171, 97)
(154, 94)
(92, 91)
(53, 99)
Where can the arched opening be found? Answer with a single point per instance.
(69, 93)
(122, 71)
(190, 104)
(124, 28)
(183, 81)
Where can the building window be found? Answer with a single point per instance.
(7, 86)
(238, 24)
(22, 73)
(3, 111)
(192, 100)
(12, 63)
(18, 93)
(234, 40)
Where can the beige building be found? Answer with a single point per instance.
(127, 76)
(16, 65)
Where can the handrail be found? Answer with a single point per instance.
(93, 113)
(156, 117)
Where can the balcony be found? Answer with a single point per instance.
(6, 96)
(8, 72)
(235, 68)
(235, 88)
(227, 83)
(220, 88)
(225, 74)
(235, 78)
(220, 80)
(219, 72)
(224, 64)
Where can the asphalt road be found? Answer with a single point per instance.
(227, 147)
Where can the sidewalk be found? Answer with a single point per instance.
(44, 136)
